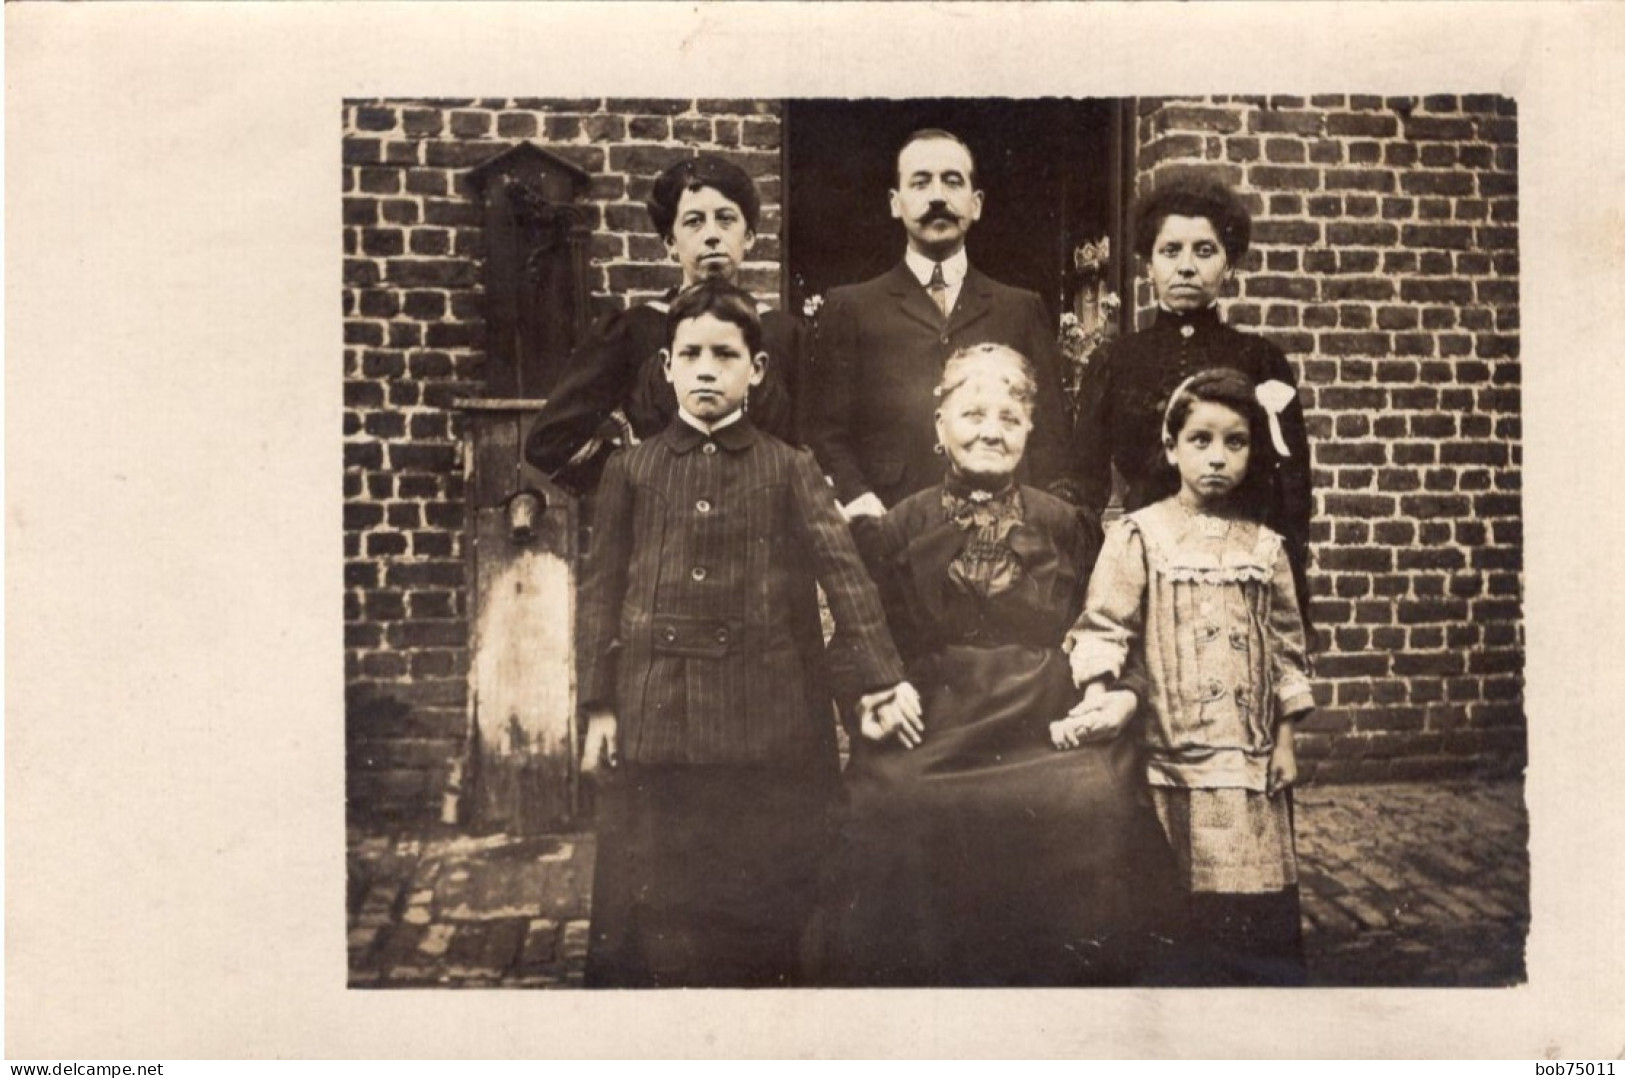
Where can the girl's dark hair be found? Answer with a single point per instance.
(1235, 391)
(721, 300)
(1194, 195)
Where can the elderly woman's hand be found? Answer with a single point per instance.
(892, 712)
(1099, 717)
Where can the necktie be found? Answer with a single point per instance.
(939, 289)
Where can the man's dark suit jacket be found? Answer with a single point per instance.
(879, 354)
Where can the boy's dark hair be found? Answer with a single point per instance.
(706, 170)
(1235, 391)
(721, 300)
(932, 134)
(1194, 195)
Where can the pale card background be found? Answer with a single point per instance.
(174, 740)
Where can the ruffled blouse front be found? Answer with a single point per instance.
(986, 564)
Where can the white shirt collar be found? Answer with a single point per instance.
(953, 268)
(710, 428)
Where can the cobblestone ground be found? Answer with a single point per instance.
(1402, 886)
(468, 912)
(1415, 885)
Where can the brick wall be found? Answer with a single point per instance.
(413, 336)
(1385, 264)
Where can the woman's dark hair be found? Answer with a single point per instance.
(1235, 391)
(1194, 195)
(706, 170)
(721, 300)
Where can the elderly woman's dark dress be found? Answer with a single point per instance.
(985, 856)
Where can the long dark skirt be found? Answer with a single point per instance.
(986, 856)
(706, 876)
(1241, 940)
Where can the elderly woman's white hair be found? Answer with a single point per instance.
(996, 361)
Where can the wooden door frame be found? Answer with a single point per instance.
(1124, 165)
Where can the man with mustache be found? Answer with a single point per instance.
(881, 344)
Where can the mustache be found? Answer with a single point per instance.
(939, 212)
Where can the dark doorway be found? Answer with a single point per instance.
(1051, 168)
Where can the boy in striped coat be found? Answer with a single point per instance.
(703, 675)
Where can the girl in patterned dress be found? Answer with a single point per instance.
(1204, 596)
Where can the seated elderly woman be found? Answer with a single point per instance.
(1190, 233)
(974, 853)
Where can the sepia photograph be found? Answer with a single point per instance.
(1310, 772)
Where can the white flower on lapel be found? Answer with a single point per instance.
(1275, 395)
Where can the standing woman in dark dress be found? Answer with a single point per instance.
(1190, 233)
(975, 853)
(705, 208)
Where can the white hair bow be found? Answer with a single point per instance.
(1274, 396)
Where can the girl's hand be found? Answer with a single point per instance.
(1115, 710)
(1283, 772)
(600, 748)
